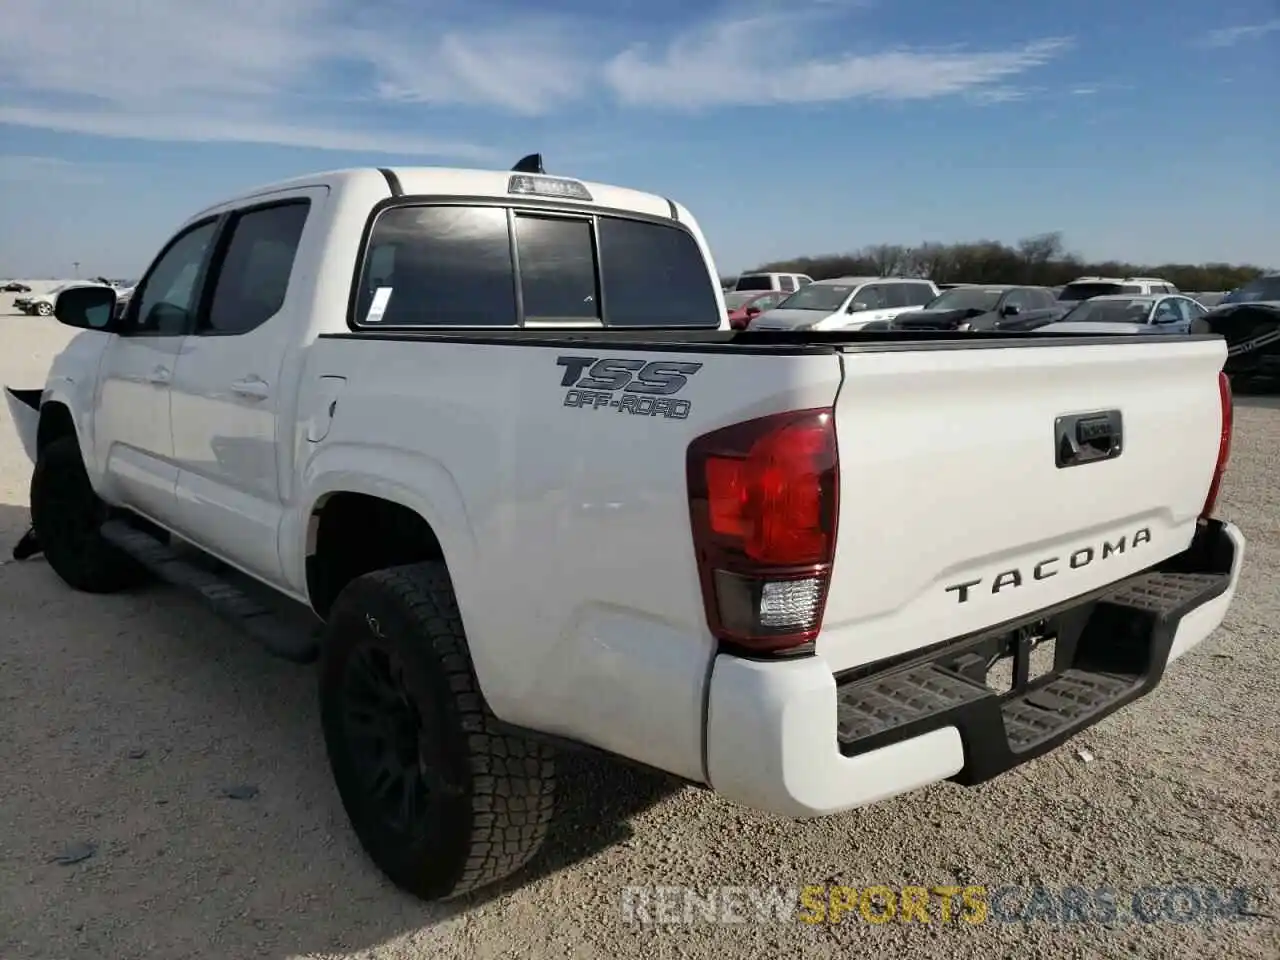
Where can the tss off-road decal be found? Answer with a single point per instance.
(638, 387)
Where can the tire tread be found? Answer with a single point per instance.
(512, 793)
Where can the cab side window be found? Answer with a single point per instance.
(166, 300)
(254, 275)
(1019, 299)
(921, 294)
(870, 297)
(1166, 312)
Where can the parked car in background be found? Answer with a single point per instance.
(1264, 289)
(1249, 320)
(743, 306)
(1082, 288)
(13, 286)
(848, 303)
(786, 282)
(989, 307)
(42, 304)
(1129, 314)
(1209, 299)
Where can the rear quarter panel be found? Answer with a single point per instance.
(566, 528)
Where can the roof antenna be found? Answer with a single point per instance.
(530, 164)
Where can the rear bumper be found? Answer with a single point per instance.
(792, 739)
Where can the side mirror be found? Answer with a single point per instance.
(87, 308)
(1010, 310)
(857, 307)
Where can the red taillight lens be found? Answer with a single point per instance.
(763, 497)
(1224, 446)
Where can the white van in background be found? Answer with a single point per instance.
(786, 282)
(1085, 288)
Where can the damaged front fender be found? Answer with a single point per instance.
(24, 410)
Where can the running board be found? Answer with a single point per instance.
(225, 599)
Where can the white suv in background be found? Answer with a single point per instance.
(848, 303)
(1082, 288)
(785, 282)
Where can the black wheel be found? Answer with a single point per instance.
(441, 800)
(67, 515)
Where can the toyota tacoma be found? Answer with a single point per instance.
(494, 430)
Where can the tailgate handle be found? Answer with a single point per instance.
(1082, 438)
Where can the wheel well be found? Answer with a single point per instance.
(55, 422)
(352, 534)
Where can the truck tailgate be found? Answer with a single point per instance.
(954, 512)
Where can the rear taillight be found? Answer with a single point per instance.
(1224, 446)
(763, 497)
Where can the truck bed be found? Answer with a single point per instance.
(948, 481)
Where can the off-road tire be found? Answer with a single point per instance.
(66, 515)
(491, 793)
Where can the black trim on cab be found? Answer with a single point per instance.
(393, 181)
(1111, 647)
(749, 342)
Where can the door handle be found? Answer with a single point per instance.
(252, 388)
(159, 376)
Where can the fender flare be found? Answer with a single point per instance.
(414, 481)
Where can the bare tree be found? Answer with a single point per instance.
(888, 259)
(1038, 259)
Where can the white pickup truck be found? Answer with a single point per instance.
(491, 427)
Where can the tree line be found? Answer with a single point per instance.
(1042, 260)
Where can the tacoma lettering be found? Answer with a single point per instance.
(1046, 568)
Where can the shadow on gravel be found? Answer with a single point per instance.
(1258, 392)
(275, 871)
(1271, 402)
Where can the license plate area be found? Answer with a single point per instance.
(1027, 655)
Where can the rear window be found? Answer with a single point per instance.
(654, 276)
(1110, 311)
(445, 265)
(761, 281)
(827, 297)
(1083, 291)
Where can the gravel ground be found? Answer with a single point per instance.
(126, 719)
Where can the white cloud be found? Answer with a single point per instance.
(293, 72)
(989, 96)
(527, 67)
(193, 128)
(15, 168)
(1230, 36)
(343, 75)
(710, 67)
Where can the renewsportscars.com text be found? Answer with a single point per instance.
(954, 905)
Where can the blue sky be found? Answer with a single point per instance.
(1143, 130)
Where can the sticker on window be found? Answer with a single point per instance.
(381, 297)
